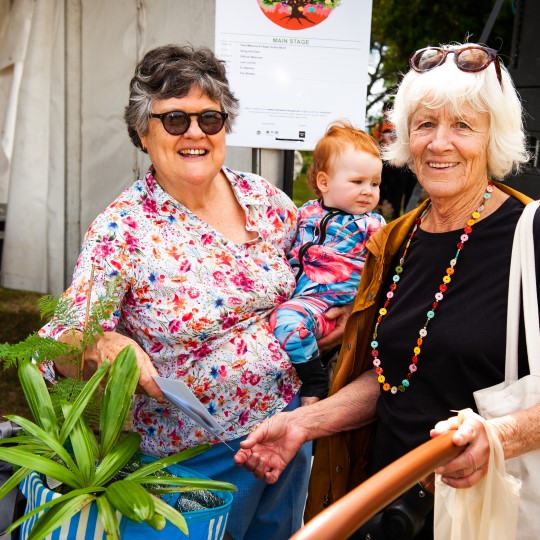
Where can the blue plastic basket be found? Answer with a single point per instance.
(209, 523)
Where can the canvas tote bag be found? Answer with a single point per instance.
(486, 511)
(515, 394)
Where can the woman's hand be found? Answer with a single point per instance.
(269, 449)
(340, 315)
(470, 466)
(107, 347)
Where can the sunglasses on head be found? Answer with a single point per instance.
(178, 122)
(472, 59)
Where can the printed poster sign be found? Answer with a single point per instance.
(296, 66)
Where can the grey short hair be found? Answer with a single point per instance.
(448, 85)
(172, 71)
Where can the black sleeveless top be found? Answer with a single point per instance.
(464, 349)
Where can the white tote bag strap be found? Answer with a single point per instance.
(523, 266)
(529, 291)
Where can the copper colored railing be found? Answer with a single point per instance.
(341, 519)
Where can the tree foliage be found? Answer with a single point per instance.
(400, 27)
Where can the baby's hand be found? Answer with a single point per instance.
(340, 315)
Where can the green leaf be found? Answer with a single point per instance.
(92, 439)
(83, 449)
(168, 512)
(165, 491)
(49, 440)
(53, 502)
(198, 483)
(54, 517)
(18, 456)
(13, 481)
(167, 461)
(108, 518)
(82, 401)
(38, 397)
(131, 500)
(121, 383)
(157, 522)
(18, 439)
(115, 460)
(35, 447)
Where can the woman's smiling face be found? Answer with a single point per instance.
(192, 158)
(449, 151)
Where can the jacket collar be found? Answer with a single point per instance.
(388, 239)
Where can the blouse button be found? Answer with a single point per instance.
(348, 346)
(339, 468)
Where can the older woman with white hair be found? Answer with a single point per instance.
(428, 326)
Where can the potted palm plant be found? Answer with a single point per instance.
(59, 448)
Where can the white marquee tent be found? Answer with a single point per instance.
(65, 67)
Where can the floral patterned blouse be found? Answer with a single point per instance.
(196, 302)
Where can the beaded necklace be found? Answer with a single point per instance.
(439, 295)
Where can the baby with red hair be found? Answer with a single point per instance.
(329, 252)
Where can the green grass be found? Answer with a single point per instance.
(301, 193)
(19, 316)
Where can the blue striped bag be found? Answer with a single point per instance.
(207, 524)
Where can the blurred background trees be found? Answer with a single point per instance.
(400, 27)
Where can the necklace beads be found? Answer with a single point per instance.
(439, 296)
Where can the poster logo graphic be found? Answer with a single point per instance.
(297, 14)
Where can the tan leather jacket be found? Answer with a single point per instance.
(340, 460)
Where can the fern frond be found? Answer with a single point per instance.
(101, 311)
(68, 390)
(104, 307)
(67, 313)
(47, 305)
(34, 347)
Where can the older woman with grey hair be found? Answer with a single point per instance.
(429, 323)
(194, 257)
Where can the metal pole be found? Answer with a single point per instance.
(73, 100)
(256, 161)
(288, 172)
(491, 21)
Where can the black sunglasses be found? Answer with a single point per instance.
(472, 59)
(178, 122)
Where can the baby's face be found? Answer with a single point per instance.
(353, 182)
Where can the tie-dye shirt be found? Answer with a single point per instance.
(196, 302)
